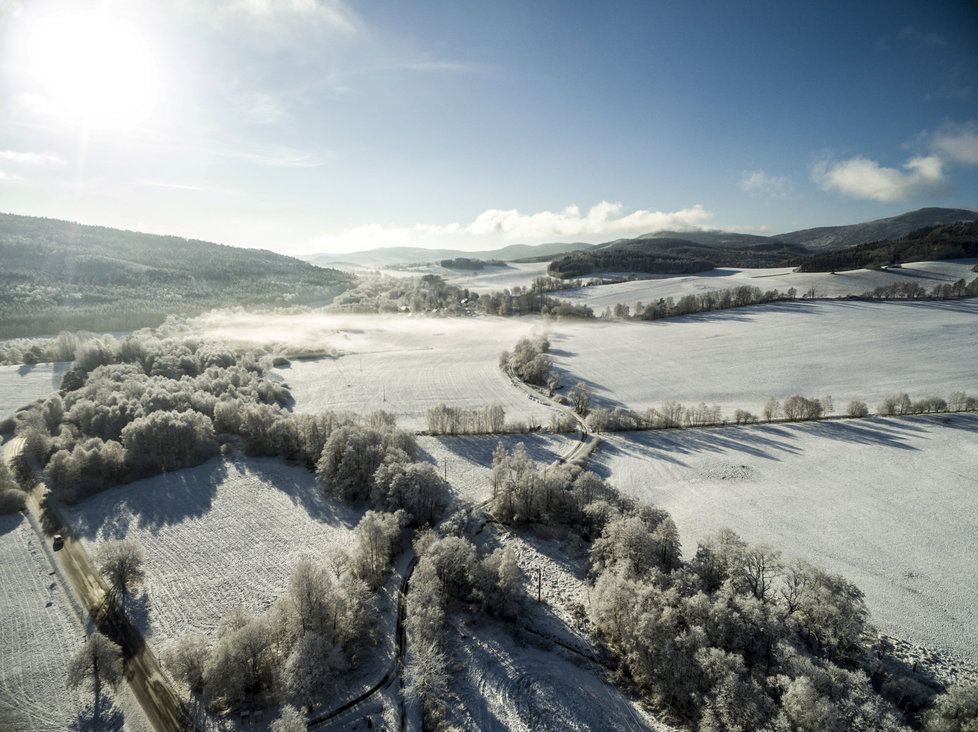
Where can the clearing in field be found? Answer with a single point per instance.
(824, 284)
(740, 358)
(888, 503)
(21, 385)
(223, 535)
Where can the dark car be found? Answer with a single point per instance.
(59, 541)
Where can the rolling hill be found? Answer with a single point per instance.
(61, 275)
(827, 238)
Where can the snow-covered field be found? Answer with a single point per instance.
(505, 683)
(223, 535)
(38, 634)
(495, 279)
(853, 282)
(740, 358)
(891, 504)
(399, 364)
(467, 461)
(20, 385)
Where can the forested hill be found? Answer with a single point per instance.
(826, 238)
(952, 241)
(57, 275)
(657, 255)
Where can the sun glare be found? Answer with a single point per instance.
(97, 69)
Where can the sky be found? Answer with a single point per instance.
(308, 126)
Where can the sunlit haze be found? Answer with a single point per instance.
(309, 126)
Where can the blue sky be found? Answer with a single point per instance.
(305, 125)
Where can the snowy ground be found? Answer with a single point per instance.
(507, 681)
(401, 365)
(854, 282)
(38, 635)
(21, 385)
(740, 358)
(223, 535)
(467, 461)
(490, 278)
(888, 503)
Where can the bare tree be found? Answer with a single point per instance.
(97, 662)
(121, 563)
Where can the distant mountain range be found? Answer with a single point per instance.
(393, 256)
(821, 239)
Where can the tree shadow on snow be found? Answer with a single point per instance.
(10, 522)
(154, 502)
(300, 486)
(107, 717)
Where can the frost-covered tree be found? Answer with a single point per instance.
(186, 659)
(289, 719)
(353, 453)
(98, 662)
(955, 711)
(378, 534)
(121, 563)
(415, 487)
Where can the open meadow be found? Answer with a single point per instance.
(400, 364)
(742, 357)
(224, 535)
(888, 503)
(824, 284)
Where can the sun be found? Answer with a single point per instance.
(99, 70)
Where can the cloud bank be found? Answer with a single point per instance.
(603, 221)
(864, 178)
(921, 176)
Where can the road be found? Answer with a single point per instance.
(152, 688)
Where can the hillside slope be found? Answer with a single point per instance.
(953, 241)
(58, 275)
(825, 238)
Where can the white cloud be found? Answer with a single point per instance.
(864, 178)
(8, 177)
(31, 159)
(280, 19)
(192, 187)
(758, 183)
(603, 221)
(958, 144)
(925, 174)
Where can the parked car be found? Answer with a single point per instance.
(59, 541)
